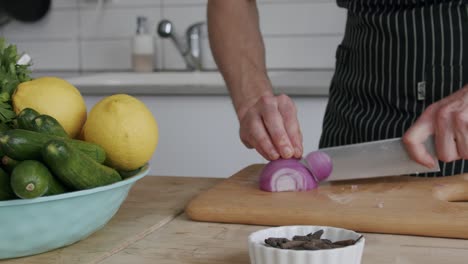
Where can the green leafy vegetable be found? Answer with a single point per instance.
(11, 74)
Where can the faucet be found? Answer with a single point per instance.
(189, 47)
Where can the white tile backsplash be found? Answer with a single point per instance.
(106, 54)
(115, 23)
(90, 35)
(289, 53)
(112, 54)
(64, 3)
(202, 2)
(184, 2)
(52, 55)
(301, 52)
(183, 16)
(60, 24)
(301, 18)
(93, 4)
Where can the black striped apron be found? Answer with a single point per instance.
(397, 57)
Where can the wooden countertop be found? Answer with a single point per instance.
(150, 227)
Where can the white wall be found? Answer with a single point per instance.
(78, 36)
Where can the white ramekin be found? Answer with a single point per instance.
(262, 254)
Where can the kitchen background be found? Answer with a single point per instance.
(198, 131)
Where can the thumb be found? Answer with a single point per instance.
(414, 139)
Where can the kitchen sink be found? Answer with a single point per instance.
(196, 83)
(151, 79)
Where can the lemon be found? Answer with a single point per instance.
(55, 97)
(125, 128)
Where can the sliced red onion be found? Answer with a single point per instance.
(320, 165)
(286, 175)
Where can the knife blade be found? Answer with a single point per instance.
(375, 159)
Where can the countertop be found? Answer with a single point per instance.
(151, 227)
(291, 82)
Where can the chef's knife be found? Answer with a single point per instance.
(375, 159)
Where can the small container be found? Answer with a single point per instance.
(143, 47)
(260, 253)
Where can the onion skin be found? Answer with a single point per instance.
(319, 164)
(286, 175)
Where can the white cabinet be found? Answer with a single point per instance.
(199, 134)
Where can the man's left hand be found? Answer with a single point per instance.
(447, 121)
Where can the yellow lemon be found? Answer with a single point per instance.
(125, 128)
(55, 97)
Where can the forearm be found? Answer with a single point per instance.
(238, 50)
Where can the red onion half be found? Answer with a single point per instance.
(284, 175)
(320, 165)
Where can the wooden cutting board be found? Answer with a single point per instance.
(393, 205)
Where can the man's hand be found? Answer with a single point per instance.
(268, 123)
(270, 126)
(447, 120)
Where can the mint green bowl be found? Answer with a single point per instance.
(29, 227)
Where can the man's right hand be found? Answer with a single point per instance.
(270, 125)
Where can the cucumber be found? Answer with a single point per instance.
(32, 179)
(9, 163)
(128, 174)
(75, 169)
(21, 144)
(30, 119)
(3, 127)
(49, 125)
(6, 193)
(25, 118)
(93, 151)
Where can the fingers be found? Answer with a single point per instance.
(254, 135)
(445, 143)
(271, 127)
(274, 125)
(460, 121)
(414, 140)
(289, 113)
(447, 120)
(262, 142)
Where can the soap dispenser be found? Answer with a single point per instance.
(143, 47)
